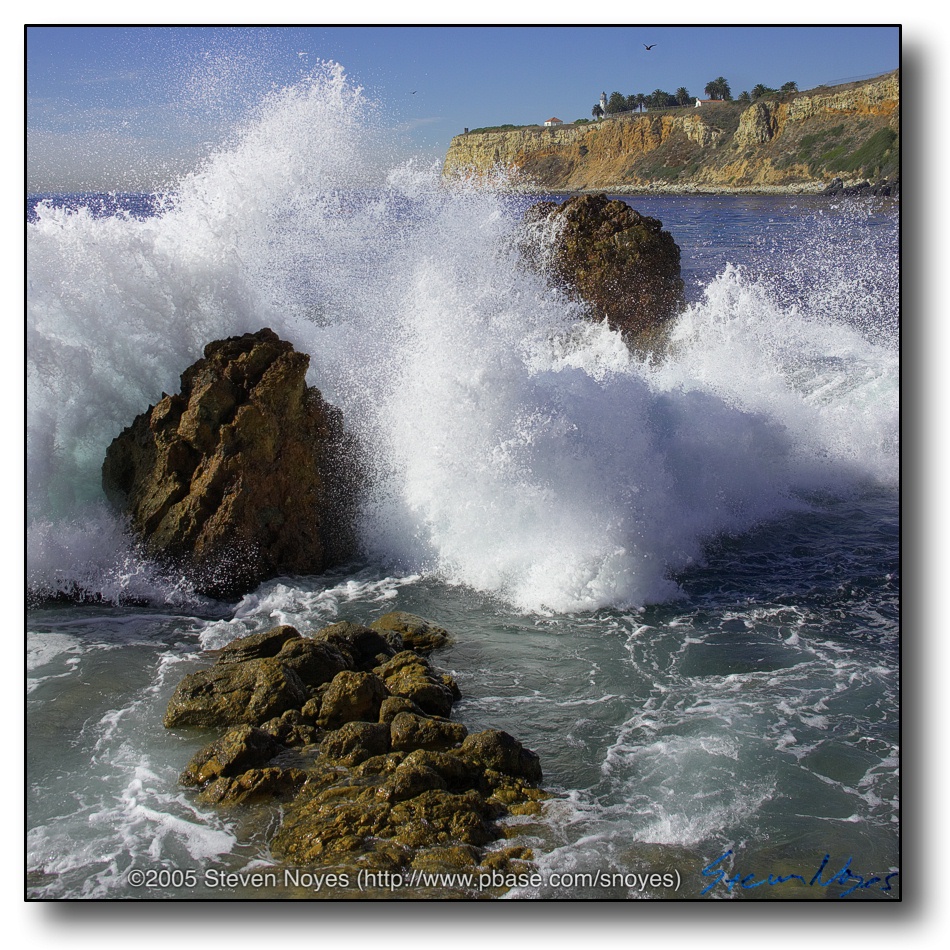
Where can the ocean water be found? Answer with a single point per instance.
(675, 579)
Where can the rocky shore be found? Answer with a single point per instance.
(345, 736)
(349, 732)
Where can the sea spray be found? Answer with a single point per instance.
(512, 445)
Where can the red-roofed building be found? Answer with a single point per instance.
(554, 121)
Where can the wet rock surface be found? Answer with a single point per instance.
(244, 475)
(364, 760)
(622, 263)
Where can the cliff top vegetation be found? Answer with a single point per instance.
(661, 102)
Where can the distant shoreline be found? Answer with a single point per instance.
(765, 191)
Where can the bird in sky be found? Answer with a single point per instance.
(648, 48)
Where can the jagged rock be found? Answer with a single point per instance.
(366, 647)
(315, 661)
(352, 696)
(864, 189)
(231, 693)
(252, 786)
(392, 706)
(355, 742)
(499, 751)
(417, 633)
(292, 728)
(452, 856)
(408, 781)
(391, 781)
(437, 816)
(458, 773)
(409, 675)
(409, 731)
(623, 264)
(243, 476)
(258, 646)
(235, 752)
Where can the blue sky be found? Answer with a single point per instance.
(125, 107)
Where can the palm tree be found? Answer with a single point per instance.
(616, 103)
(790, 87)
(718, 89)
(641, 100)
(758, 91)
(597, 112)
(682, 96)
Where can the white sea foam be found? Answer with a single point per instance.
(511, 448)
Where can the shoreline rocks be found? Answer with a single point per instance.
(243, 476)
(350, 733)
(864, 189)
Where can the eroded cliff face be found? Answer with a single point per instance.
(795, 143)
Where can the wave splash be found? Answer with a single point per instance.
(512, 445)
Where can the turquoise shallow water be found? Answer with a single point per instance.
(758, 715)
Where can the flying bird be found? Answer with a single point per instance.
(648, 48)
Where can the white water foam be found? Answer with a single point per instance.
(511, 449)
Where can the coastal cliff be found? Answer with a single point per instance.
(792, 143)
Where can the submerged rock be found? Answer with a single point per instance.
(622, 263)
(244, 475)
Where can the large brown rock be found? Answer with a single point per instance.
(242, 476)
(622, 263)
(409, 731)
(501, 752)
(253, 786)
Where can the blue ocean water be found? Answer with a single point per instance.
(677, 580)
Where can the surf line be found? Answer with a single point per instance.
(842, 877)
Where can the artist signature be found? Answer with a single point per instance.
(843, 877)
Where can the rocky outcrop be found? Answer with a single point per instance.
(363, 759)
(244, 475)
(417, 634)
(791, 143)
(757, 125)
(880, 189)
(621, 262)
